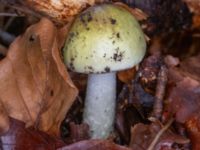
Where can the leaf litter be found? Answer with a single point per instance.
(156, 109)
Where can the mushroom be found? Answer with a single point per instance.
(103, 39)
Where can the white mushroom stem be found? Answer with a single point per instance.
(100, 102)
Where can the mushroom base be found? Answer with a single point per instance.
(99, 111)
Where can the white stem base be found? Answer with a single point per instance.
(99, 111)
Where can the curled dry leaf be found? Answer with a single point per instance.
(59, 11)
(78, 132)
(184, 97)
(94, 145)
(191, 67)
(20, 138)
(193, 129)
(138, 13)
(194, 6)
(127, 76)
(35, 86)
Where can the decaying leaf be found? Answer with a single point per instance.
(142, 136)
(94, 145)
(78, 132)
(138, 13)
(35, 86)
(20, 138)
(60, 11)
(194, 5)
(126, 75)
(191, 67)
(184, 97)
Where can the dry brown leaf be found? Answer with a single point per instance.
(138, 13)
(20, 138)
(193, 129)
(184, 97)
(94, 145)
(59, 11)
(35, 86)
(194, 6)
(127, 75)
(142, 135)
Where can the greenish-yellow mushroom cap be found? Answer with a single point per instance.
(104, 38)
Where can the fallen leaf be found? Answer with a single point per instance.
(20, 138)
(35, 86)
(94, 145)
(78, 132)
(184, 95)
(191, 67)
(193, 5)
(184, 99)
(59, 11)
(142, 135)
(193, 130)
(138, 13)
(126, 76)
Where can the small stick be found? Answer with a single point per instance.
(9, 14)
(155, 140)
(160, 92)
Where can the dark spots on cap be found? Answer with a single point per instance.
(107, 69)
(86, 57)
(71, 64)
(118, 55)
(89, 69)
(89, 17)
(113, 42)
(71, 35)
(82, 18)
(76, 34)
(87, 28)
(85, 18)
(104, 55)
(118, 35)
(112, 21)
(72, 59)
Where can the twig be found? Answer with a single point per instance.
(155, 140)
(160, 92)
(9, 14)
